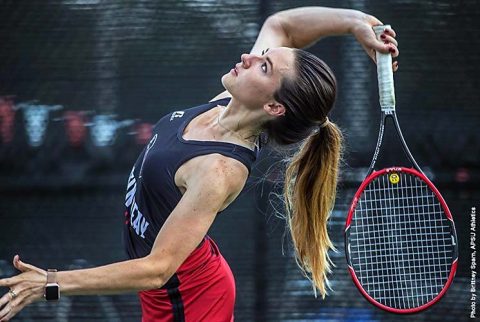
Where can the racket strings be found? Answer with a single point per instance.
(400, 241)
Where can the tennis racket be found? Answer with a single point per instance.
(400, 239)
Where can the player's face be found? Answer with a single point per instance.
(255, 79)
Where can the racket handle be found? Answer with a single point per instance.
(385, 76)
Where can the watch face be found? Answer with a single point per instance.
(52, 292)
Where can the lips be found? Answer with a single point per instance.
(237, 67)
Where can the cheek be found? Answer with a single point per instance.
(260, 86)
(250, 89)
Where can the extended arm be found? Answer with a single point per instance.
(216, 181)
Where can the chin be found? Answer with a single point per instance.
(226, 82)
(224, 77)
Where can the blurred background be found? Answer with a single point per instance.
(82, 82)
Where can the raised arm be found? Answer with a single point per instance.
(301, 27)
(217, 181)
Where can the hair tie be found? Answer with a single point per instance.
(324, 123)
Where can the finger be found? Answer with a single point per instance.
(393, 50)
(18, 264)
(5, 299)
(11, 310)
(390, 32)
(5, 311)
(6, 282)
(370, 52)
(21, 266)
(13, 307)
(16, 258)
(373, 55)
(395, 66)
(388, 39)
(379, 45)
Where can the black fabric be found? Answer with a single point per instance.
(151, 190)
(176, 300)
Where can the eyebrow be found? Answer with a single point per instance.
(271, 64)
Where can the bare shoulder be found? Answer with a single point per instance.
(213, 172)
(218, 176)
(220, 169)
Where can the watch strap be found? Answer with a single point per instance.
(51, 276)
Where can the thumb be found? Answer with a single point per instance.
(21, 266)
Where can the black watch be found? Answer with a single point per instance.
(52, 290)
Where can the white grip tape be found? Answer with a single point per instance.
(385, 75)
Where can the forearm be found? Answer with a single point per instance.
(306, 25)
(122, 277)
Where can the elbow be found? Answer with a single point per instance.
(275, 20)
(278, 23)
(158, 273)
(156, 282)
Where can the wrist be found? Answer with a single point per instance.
(354, 19)
(52, 289)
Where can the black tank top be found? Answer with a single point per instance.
(151, 191)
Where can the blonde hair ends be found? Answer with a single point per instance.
(309, 191)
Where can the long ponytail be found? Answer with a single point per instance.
(309, 192)
(311, 176)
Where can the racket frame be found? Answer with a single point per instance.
(448, 214)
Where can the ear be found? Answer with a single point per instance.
(275, 109)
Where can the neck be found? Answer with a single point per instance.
(239, 121)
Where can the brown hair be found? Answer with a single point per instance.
(312, 172)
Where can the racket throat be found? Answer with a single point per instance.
(404, 144)
(385, 114)
(379, 144)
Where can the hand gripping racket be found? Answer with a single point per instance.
(400, 239)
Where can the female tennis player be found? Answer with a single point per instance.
(198, 162)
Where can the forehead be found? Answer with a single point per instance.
(283, 59)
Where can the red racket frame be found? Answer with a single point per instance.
(360, 190)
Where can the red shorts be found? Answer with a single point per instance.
(205, 290)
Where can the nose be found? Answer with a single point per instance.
(247, 60)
